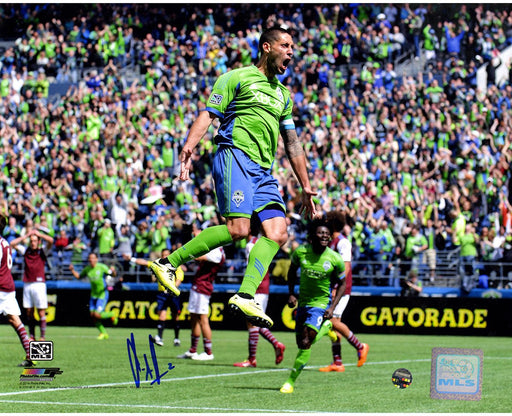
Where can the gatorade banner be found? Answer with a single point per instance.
(364, 314)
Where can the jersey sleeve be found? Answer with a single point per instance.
(84, 271)
(286, 121)
(223, 92)
(215, 256)
(344, 247)
(294, 258)
(105, 269)
(340, 267)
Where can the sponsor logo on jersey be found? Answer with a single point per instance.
(216, 99)
(267, 100)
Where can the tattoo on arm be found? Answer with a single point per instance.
(292, 144)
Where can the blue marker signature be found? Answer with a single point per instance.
(135, 363)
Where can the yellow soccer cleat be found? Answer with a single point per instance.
(332, 335)
(166, 275)
(103, 335)
(287, 388)
(252, 311)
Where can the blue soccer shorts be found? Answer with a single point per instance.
(309, 316)
(243, 186)
(165, 300)
(98, 304)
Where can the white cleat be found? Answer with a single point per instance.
(203, 357)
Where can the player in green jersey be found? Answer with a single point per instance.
(321, 269)
(253, 108)
(96, 273)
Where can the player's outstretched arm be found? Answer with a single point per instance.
(196, 133)
(297, 158)
(73, 271)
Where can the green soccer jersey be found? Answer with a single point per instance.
(96, 276)
(317, 274)
(253, 110)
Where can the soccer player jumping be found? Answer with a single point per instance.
(253, 108)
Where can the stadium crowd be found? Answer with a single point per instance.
(97, 166)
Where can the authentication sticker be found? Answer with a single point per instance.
(456, 374)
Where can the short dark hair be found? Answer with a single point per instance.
(318, 222)
(270, 35)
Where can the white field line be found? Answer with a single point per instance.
(52, 390)
(153, 406)
(167, 380)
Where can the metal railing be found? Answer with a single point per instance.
(449, 271)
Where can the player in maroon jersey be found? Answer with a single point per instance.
(8, 303)
(261, 297)
(34, 278)
(199, 301)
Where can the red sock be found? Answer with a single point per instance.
(253, 341)
(194, 341)
(352, 339)
(42, 323)
(265, 332)
(207, 345)
(336, 352)
(22, 333)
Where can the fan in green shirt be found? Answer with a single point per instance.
(415, 245)
(96, 273)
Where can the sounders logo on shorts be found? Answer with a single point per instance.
(238, 197)
(456, 374)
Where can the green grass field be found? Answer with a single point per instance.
(97, 377)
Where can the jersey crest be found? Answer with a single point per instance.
(279, 94)
(238, 197)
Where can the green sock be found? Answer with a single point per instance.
(258, 263)
(100, 327)
(106, 315)
(300, 362)
(204, 242)
(324, 329)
